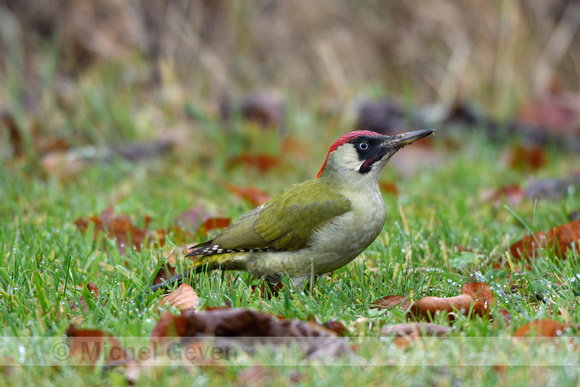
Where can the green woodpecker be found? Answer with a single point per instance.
(316, 226)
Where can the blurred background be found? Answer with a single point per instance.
(77, 72)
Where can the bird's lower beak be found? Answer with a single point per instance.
(402, 139)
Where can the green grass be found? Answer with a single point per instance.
(46, 261)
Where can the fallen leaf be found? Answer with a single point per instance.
(336, 327)
(558, 240)
(542, 328)
(121, 228)
(183, 297)
(415, 329)
(388, 302)
(256, 327)
(476, 299)
(532, 158)
(389, 187)
(212, 224)
(409, 332)
(88, 346)
(164, 274)
(262, 162)
(253, 195)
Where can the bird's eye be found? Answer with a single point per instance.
(363, 146)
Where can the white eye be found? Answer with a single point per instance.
(363, 146)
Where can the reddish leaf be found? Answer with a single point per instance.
(526, 158)
(126, 233)
(476, 297)
(119, 227)
(238, 323)
(336, 327)
(164, 275)
(253, 195)
(90, 345)
(542, 328)
(409, 332)
(415, 329)
(212, 224)
(392, 301)
(559, 239)
(262, 162)
(183, 297)
(389, 187)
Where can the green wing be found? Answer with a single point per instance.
(285, 222)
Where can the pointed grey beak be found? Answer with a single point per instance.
(402, 139)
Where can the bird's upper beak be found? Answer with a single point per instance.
(400, 140)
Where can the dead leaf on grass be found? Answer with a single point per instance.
(558, 240)
(250, 328)
(253, 195)
(542, 328)
(388, 302)
(183, 297)
(409, 332)
(88, 346)
(475, 300)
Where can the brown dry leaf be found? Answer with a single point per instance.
(526, 158)
(235, 324)
(119, 227)
(513, 194)
(336, 327)
(415, 329)
(212, 224)
(408, 332)
(391, 301)
(183, 297)
(389, 187)
(558, 239)
(475, 298)
(262, 162)
(126, 233)
(164, 275)
(88, 346)
(542, 328)
(253, 195)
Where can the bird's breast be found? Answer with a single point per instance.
(346, 236)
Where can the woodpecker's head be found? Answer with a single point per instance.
(361, 155)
